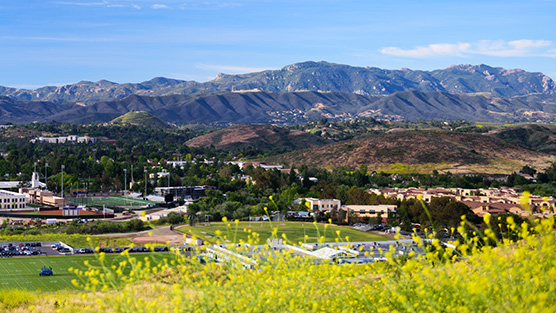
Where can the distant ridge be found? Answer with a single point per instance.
(311, 76)
(289, 108)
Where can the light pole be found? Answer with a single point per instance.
(45, 175)
(125, 182)
(63, 167)
(145, 183)
(125, 185)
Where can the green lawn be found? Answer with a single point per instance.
(111, 201)
(23, 272)
(294, 231)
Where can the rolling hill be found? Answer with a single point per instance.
(423, 151)
(536, 137)
(257, 137)
(141, 118)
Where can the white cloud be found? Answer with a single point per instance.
(441, 49)
(84, 3)
(61, 39)
(499, 48)
(229, 69)
(154, 4)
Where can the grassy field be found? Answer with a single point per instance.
(23, 272)
(111, 201)
(294, 231)
(74, 240)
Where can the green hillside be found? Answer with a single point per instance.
(140, 118)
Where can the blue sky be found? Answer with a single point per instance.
(47, 42)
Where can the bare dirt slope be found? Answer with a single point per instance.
(262, 137)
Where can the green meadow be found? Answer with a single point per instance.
(295, 232)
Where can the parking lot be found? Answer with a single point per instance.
(20, 249)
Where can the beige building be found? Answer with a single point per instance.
(45, 197)
(323, 205)
(370, 210)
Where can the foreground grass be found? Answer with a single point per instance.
(513, 277)
(295, 232)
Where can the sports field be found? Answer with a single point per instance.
(23, 272)
(295, 232)
(111, 201)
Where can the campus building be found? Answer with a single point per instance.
(45, 197)
(12, 200)
(64, 139)
(323, 205)
(193, 192)
(371, 210)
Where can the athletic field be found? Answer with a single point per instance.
(295, 232)
(23, 272)
(111, 201)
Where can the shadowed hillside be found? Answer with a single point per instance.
(537, 137)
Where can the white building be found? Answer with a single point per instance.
(64, 139)
(12, 200)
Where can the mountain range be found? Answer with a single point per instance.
(289, 108)
(297, 93)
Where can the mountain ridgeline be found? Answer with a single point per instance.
(314, 76)
(298, 93)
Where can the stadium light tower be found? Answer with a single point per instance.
(45, 175)
(145, 170)
(63, 167)
(125, 182)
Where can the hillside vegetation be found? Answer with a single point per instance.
(536, 137)
(257, 138)
(499, 277)
(423, 151)
(140, 118)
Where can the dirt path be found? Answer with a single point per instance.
(158, 235)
